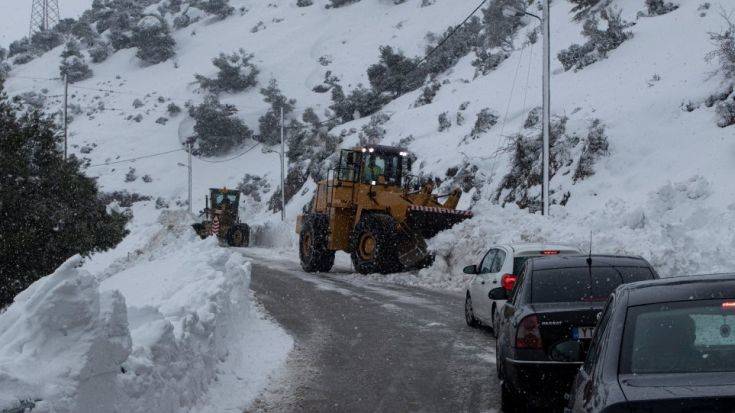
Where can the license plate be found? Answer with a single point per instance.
(583, 332)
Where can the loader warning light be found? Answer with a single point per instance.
(364, 150)
(549, 252)
(373, 183)
(371, 150)
(403, 153)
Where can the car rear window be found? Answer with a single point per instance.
(681, 337)
(561, 285)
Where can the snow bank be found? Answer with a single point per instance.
(62, 344)
(169, 328)
(676, 229)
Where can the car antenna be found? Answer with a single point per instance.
(589, 256)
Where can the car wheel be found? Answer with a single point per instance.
(508, 400)
(469, 314)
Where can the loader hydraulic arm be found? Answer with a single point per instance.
(453, 199)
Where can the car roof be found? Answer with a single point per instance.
(537, 246)
(573, 261)
(691, 287)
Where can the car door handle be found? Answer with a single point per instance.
(482, 282)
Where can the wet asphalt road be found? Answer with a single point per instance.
(366, 346)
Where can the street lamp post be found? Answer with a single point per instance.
(510, 11)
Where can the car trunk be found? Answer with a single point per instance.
(700, 392)
(564, 324)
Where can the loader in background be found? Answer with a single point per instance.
(222, 218)
(368, 208)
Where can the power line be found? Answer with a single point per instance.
(454, 30)
(135, 159)
(234, 157)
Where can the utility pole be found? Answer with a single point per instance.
(547, 104)
(190, 147)
(66, 112)
(545, 19)
(283, 161)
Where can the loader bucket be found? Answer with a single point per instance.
(429, 221)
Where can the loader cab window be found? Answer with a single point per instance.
(221, 199)
(349, 165)
(383, 168)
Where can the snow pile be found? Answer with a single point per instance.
(676, 230)
(62, 344)
(189, 338)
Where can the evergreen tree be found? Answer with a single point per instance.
(152, 38)
(220, 8)
(236, 73)
(72, 63)
(395, 73)
(270, 123)
(217, 130)
(50, 210)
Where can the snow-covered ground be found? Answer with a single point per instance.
(664, 191)
(170, 326)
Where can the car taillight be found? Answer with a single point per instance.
(728, 305)
(508, 281)
(550, 252)
(528, 334)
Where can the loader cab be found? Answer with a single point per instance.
(222, 198)
(375, 165)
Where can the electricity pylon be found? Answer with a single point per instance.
(44, 15)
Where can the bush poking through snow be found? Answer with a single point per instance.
(219, 8)
(726, 112)
(72, 63)
(724, 52)
(595, 147)
(428, 94)
(153, 39)
(583, 8)
(340, 3)
(173, 109)
(217, 130)
(253, 186)
(659, 7)
(236, 73)
(100, 51)
(486, 119)
(444, 122)
(600, 42)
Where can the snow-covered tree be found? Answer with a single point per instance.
(153, 39)
(217, 130)
(659, 7)
(220, 8)
(395, 73)
(724, 52)
(100, 51)
(600, 43)
(73, 64)
(45, 40)
(236, 73)
(270, 123)
(359, 103)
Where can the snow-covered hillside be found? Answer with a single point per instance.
(639, 200)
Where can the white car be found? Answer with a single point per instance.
(500, 267)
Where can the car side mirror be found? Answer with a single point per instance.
(499, 293)
(470, 269)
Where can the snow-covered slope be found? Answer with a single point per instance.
(638, 93)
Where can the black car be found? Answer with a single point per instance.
(548, 322)
(663, 346)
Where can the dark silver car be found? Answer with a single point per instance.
(662, 346)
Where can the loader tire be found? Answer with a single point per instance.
(374, 245)
(200, 229)
(238, 236)
(314, 253)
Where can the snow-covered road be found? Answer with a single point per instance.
(362, 345)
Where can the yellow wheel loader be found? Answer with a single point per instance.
(222, 219)
(367, 207)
